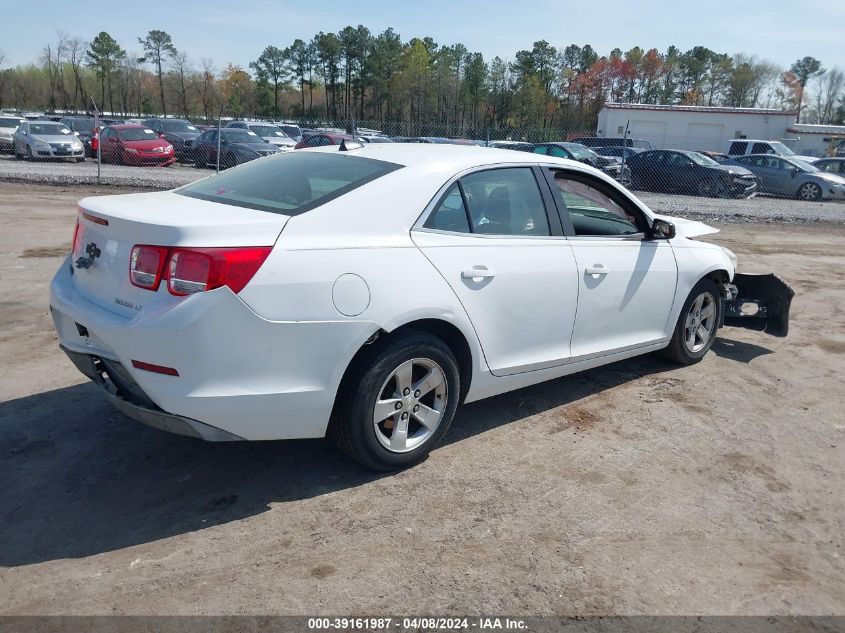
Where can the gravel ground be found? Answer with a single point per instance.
(758, 209)
(640, 487)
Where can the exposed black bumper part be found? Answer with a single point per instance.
(129, 398)
(761, 303)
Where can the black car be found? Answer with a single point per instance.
(84, 128)
(236, 146)
(595, 142)
(690, 173)
(180, 133)
(612, 166)
(616, 151)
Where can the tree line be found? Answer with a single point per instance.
(355, 74)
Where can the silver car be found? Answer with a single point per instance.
(8, 125)
(791, 177)
(46, 139)
(273, 134)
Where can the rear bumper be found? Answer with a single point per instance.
(125, 394)
(247, 376)
(760, 302)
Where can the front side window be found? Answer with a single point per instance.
(592, 212)
(289, 183)
(505, 201)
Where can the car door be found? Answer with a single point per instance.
(495, 237)
(626, 281)
(783, 176)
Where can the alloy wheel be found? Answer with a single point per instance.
(410, 405)
(700, 322)
(809, 191)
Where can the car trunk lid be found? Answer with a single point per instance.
(110, 226)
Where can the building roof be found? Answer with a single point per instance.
(689, 108)
(808, 128)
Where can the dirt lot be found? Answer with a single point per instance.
(636, 488)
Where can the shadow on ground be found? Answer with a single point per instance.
(80, 479)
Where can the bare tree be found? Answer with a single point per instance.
(181, 67)
(76, 48)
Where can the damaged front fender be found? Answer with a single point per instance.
(760, 302)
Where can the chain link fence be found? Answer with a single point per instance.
(676, 176)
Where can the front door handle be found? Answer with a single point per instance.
(477, 273)
(596, 269)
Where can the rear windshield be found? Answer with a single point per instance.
(4, 122)
(290, 183)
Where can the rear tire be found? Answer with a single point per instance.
(695, 330)
(380, 421)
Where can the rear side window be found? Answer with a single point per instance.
(737, 149)
(762, 148)
(450, 214)
(291, 183)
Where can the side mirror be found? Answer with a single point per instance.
(662, 230)
(794, 172)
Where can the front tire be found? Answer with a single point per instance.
(695, 330)
(810, 191)
(398, 402)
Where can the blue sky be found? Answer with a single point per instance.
(236, 31)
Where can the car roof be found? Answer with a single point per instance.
(127, 126)
(442, 155)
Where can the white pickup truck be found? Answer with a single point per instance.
(745, 146)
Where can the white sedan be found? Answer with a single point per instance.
(363, 292)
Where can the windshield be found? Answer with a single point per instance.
(579, 151)
(241, 136)
(701, 159)
(781, 149)
(805, 166)
(290, 183)
(267, 131)
(291, 130)
(81, 125)
(177, 125)
(49, 129)
(136, 134)
(4, 122)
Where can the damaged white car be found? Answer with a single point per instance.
(365, 292)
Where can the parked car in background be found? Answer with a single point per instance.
(519, 146)
(616, 151)
(594, 142)
(273, 134)
(128, 144)
(8, 125)
(84, 129)
(180, 133)
(378, 138)
(830, 165)
(719, 157)
(294, 324)
(46, 139)
(291, 128)
(237, 146)
(612, 166)
(322, 139)
(791, 177)
(746, 147)
(689, 173)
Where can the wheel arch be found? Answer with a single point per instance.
(446, 331)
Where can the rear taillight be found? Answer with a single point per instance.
(146, 265)
(76, 246)
(199, 269)
(192, 270)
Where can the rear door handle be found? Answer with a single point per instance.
(596, 269)
(477, 273)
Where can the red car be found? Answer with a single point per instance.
(322, 138)
(129, 144)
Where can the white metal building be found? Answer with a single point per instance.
(699, 128)
(816, 140)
